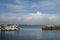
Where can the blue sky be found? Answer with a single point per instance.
(30, 11)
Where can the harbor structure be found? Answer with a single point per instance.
(51, 27)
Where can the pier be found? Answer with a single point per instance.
(51, 27)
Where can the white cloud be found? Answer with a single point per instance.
(54, 18)
(48, 4)
(32, 18)
(12, 6)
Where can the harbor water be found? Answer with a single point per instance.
(30, 33)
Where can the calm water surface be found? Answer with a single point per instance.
(30, 34)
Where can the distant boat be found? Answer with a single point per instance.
(9, 27)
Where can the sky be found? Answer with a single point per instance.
(33, 12)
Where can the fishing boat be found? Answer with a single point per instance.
(9, 27)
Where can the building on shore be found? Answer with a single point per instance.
(9, 27)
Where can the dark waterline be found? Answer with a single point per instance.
(30, 34)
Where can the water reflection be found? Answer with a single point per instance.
(9, 35)
(10, 32)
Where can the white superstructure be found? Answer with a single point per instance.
(10, 27)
